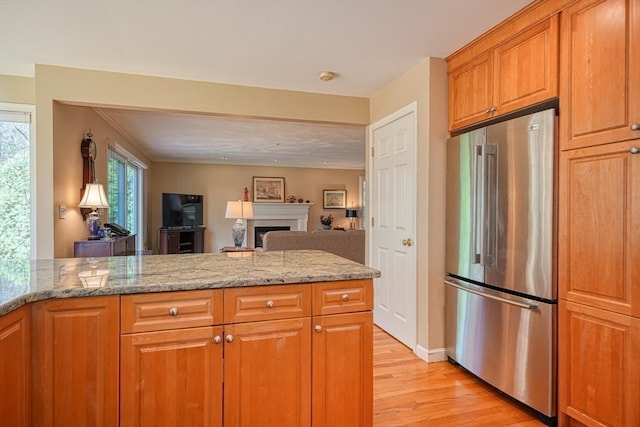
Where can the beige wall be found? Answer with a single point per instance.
(17, 90)
(427, 85)
(97, 88)
(71, 125)
(220, 183)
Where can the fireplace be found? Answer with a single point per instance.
(292, 216)
(259, 233)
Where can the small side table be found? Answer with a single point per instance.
(234, 249)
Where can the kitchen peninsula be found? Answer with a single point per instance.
(135, 341)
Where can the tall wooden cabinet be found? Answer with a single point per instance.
(599, 214)
(15, 368)
(600, 51)
(75, 362)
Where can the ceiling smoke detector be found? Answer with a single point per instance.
(327, 76)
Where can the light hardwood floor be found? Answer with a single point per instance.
(410, 392)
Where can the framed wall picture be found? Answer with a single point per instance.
(268, 189)
(334, 199)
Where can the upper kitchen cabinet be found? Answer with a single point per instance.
(517, 72)
(600, 76)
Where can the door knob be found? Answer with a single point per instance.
(635, 126)
(229, 338)
(407, 242)
(318, 328)
(634, 150)
(217, 339)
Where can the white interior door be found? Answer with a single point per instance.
(393, 212)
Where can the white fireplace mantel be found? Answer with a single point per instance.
(294, 215)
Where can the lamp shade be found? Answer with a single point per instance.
(351, 213)
(94, 197)
(239, 209)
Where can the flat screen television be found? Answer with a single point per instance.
(181, 210)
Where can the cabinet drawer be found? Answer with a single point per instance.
(171, 310)
(266, 303)
(342, 297)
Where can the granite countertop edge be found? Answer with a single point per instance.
(151, 282)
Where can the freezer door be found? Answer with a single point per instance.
(507, 341)
(519, 212)
(464, 209)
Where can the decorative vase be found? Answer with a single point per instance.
(326, 226)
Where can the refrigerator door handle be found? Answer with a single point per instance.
(528, 306)
(477, 205)
(490, 240)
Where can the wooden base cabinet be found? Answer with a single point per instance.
(599, 373)
(75, 362)
(15, 369)
(172, 378)
(342, 363)
(267, 373)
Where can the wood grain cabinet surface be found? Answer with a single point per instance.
(600, 75)
(516, 73)
(598, 367)
(15, 368)
(75, 362)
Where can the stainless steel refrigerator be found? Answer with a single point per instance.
(500, 288)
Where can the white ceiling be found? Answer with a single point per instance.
(282, 44)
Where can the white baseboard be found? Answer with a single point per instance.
(436, 355)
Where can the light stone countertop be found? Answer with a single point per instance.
(22, 282)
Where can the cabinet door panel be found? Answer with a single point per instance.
(267, 374)
(598, 369)
(343, 370)
(470, 92)
(171, 378)
(526, 68)
(15, 372)
(75, 364)
(600, 227)
(600, 76)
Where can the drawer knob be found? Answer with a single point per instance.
(635, 150)
(635, 126)
(318, 328)
(229, 338)
(270, 304)
(217, 339)
(345, 297)
(173, 311)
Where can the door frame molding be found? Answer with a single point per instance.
(411, 108)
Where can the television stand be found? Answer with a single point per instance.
(181, 240)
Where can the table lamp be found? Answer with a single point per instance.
(239, 210)
(352, 214)
(93, 198)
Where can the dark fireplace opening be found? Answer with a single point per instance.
(259, 233)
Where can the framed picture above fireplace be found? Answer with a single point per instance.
(268, 189)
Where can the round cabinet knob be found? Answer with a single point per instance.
(173, 311)
(318, 328)
(635, 150)
(345, 297)
(635, 126)
(270, 304)
(229, 338)
(217, 339)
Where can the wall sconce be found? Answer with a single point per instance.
(94, 198)
(240, 210)
(352, 214)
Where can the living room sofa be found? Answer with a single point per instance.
(345, 243)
